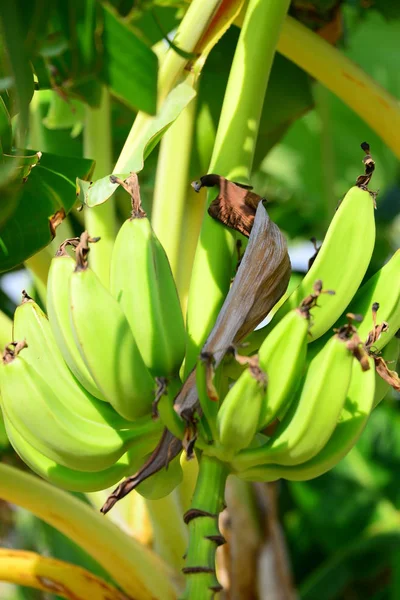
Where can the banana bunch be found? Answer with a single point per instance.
(78, 387)
(301, 402)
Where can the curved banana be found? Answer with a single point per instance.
(42, 353)
(107, 345)
(313, 413)
(71, 479)
(163, 482)
(141, 280)
(341, 264)
(36, 413)
(239, 414)
(60, 272)
(283, 357)
(351, 423)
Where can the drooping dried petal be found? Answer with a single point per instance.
(260, 282)
(235, 206)
(391, 377)
(168, 448)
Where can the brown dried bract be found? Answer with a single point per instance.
(261, 281)
(209, 361)
(235, 205)
(391, 377)
(311, 301)
(73, 242)
(12, 350)
(316, 251)
(131, 185)
(376, 332)
(55, 221)
(168, 448)
(82, 250)
(369, 167)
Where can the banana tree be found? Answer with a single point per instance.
(146, 372)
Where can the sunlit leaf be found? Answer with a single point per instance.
(177, 99)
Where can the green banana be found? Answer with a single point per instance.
(34, 409)
(283, 357)
(107, 345)
(239, 415)
(163, 482)
(71, 479)
(60, 272)
(341, 264)
(351, 423)
(313, 413)
(141, 280)
(42, 353)
(390, 354)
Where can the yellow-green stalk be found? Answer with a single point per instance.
(100, 221)
(172, 185)
(233, 158)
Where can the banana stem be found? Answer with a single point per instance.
(171, 186)
(191, 29)
(169, 530)
(233, 158)
(101, 220)
(204, 534)
(344, 78)
(53, 576)
(135, 568)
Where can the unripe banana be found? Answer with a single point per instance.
(390, 354)
(141, 280)
(239, 415)
(42, 353)
(71, 479)
(313, 413)
(60, 272)
(351, 423)
(34, 410)
(163, 482)
(341, 264)
(108, 347)
(283, 357)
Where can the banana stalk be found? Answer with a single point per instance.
(204, 534)
(232, 157)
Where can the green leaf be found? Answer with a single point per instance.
(14, 63)
(129, 66)
(5, 128)
(98, 192)
(47, 195)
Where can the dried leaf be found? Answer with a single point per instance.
(391, 377)
(168, 448)
(235, 206)
(260, 282)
